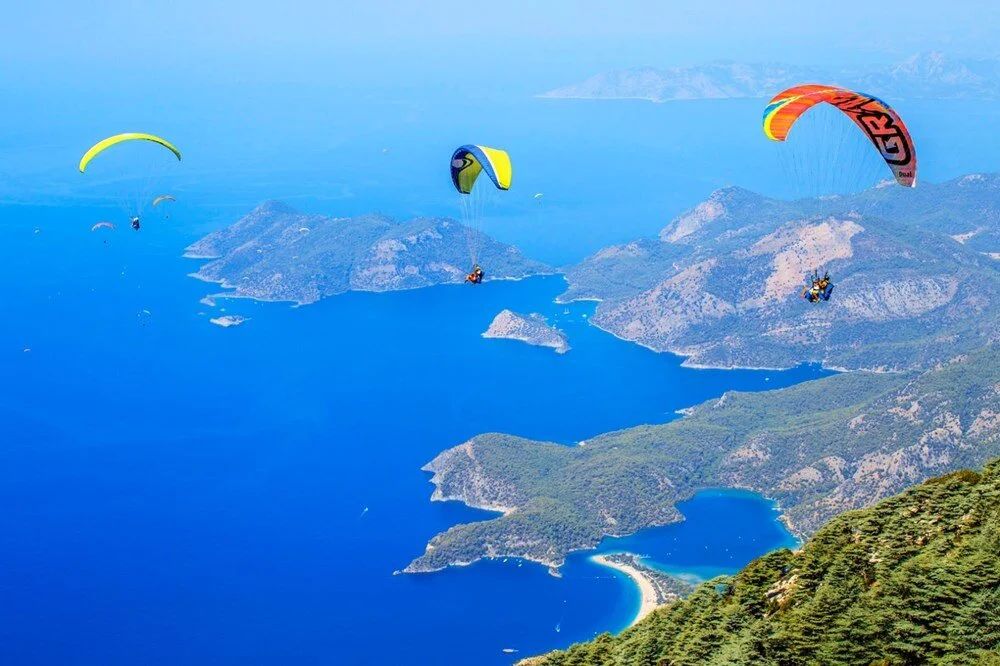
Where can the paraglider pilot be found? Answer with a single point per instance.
(476, 276)
(135, 223)
(818, 288)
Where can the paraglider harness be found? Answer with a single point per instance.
(818, 288)
(135, 223)
(476, 276)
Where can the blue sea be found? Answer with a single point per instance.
(174, 492)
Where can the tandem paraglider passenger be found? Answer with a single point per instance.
(476, 276)
(817, 288)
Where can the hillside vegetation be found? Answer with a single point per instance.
(914, 579)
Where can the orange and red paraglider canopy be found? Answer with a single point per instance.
(883, 126)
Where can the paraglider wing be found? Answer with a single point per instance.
(786, 107)
(163, 197)
(883, 126)
(468, 162)
(102, 225)
(103, 145)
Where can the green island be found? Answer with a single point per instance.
(276, 253)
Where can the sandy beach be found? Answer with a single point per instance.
(648, 593)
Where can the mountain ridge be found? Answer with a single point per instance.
(923, 75)
(915, 274)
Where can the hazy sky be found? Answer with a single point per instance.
(251, 88)
(545, 42)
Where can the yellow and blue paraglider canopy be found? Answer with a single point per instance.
(469, 161)
(103, 145)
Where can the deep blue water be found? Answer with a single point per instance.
(174, 492)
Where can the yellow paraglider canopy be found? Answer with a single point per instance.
(469, 161)
(103, 145)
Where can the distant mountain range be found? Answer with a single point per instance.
(276, 253)
(926, 75)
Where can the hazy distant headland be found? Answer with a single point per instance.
(925, 75)
(275, 253)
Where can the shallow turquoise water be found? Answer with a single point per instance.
(710, 541)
